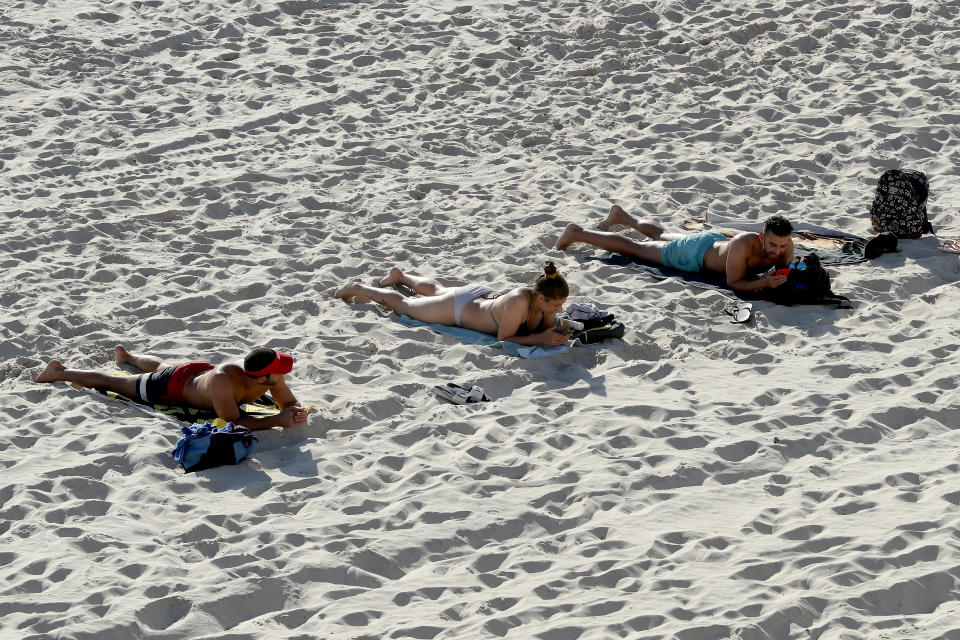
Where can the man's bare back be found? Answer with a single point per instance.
(198, 392)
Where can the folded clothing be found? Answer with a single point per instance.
(588, 314)
(598, 325)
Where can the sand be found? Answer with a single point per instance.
(189, 179)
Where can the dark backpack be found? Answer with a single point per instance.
(599, 333)
(203, 446)
(900, 205)
(806, 284)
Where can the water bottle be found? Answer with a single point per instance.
(566, 325)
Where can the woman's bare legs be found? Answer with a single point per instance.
(422, 286)
(436, 305)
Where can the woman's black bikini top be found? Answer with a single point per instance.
(524, 328)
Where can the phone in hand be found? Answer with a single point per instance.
(782, 272)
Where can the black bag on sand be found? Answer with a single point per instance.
(807, 283)
(884, 242)
(605, 319)
(599, 334)
(900, 205)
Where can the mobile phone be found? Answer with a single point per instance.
(782, 272)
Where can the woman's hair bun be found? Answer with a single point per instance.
(550, 283)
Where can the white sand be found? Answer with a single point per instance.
(189, 178)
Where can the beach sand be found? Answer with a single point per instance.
(190, 179)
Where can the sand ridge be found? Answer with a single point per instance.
(191, 178)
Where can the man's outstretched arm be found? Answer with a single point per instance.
(737, 280)
(284, 398)
(282, 395)
(221, 392)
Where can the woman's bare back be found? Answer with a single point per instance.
(487, 314)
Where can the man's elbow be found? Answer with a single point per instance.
(230, 416)
(739, 285)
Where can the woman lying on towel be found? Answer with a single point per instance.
(524, 315)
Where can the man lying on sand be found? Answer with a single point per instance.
(747, 253)
(198, 384)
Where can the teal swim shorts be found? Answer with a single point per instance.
(687, 253)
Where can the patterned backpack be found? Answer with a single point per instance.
(900, 205)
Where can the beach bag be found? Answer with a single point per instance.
(900, 205)
(807, 283)
(203, 446)
(884, 242)
(592, 335)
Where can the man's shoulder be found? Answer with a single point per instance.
(746, 237)
(746, 240)
(228, 371)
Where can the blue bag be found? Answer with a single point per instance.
(203, 446)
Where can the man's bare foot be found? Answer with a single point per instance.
(121, 355)
(352, 292)
(391, 278)
(567, 237)
(53, 372)
(616, 216)
(650, 228)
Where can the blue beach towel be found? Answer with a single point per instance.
(476, 337)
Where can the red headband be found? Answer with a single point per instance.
(282, 364)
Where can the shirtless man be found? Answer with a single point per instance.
(746, 254)
(198, 384)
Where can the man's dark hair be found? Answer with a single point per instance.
(259, 359)
(778, 226)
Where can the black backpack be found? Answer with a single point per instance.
(900, 205)
(599, 328)
(599, 333)
(809, 284)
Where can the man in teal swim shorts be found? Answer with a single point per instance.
(739, 258)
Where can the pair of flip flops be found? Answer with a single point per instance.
(739, 312)
(950, 246)
(461, 395)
